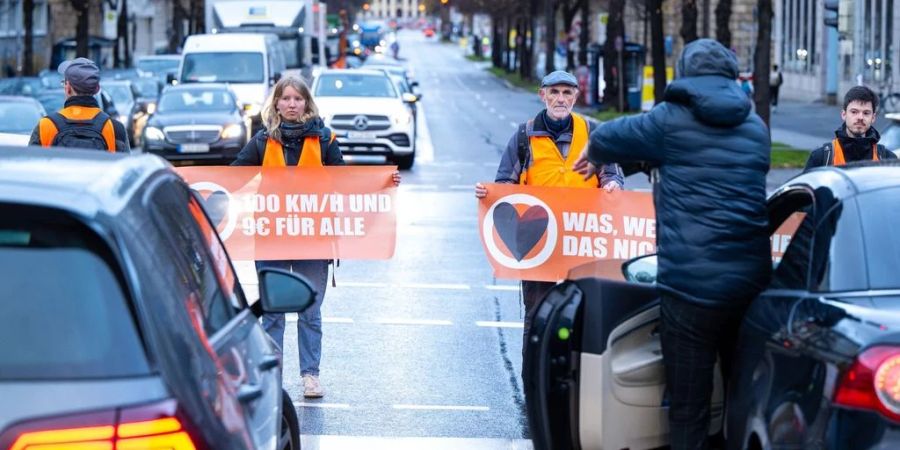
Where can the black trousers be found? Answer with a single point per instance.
(532, 293)
(773, 90)
(692, 337)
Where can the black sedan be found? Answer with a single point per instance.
(131, 329)
(818, 359)
(197, 123)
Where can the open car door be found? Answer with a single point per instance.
(594, 377)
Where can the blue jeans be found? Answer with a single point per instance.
(309, 323)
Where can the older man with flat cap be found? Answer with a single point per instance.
(543, 153)
(80, 123)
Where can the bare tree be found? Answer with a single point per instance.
(615, 31)
(689, 21)
(550, 35)
(723, 20)
(762, 59)
(82, 11)
(654, 7)
(28, 25)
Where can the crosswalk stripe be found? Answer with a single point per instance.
(500, 324)
(442, 407)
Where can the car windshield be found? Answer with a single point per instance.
(18, 117)
(148, 87)
(121, 95)
(891, 137)
(52, 101)
(196, 100)
(223, 68)
(353, 85)
(63, 305)
(157, 65)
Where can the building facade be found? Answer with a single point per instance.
(394, 9)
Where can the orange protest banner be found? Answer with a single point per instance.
(277, 213)
(539, 233)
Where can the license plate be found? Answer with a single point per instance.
(360, 135)
(193, 148)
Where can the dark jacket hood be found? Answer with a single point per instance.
(706, 85)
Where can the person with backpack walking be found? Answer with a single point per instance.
(543, 152)
(856, 139)
(81, 123)
(293, 134)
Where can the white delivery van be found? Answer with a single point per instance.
(250, 63)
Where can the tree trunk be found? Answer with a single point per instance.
(550, 35)
(762, 60)
(81, 8)
(28, 24)
(585, 37)
(723, 20)
(689, 21)
(126, 40)
(177, 35)
(496, 48)
(615, 28)
(657, 48)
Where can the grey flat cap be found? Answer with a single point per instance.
(82, 74)
(559, 77)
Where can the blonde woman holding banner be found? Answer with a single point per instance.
(295, 135)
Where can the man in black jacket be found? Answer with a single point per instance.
(856, 139)
(710, 155)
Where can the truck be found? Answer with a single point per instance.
(284, 18)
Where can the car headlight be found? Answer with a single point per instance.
(252, 109)
(151, 108)
(122, 119)
(402, 119)
(233, 131)
(154, 134)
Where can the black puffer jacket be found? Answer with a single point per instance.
(712, 156)
(252, 154)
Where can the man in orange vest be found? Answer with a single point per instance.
(543, 152)
(81, 123)
(856, 139)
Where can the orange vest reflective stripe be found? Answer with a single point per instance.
(839, 160)
(549, 168)
(310, 154)
(48, 130)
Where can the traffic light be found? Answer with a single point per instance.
(831, 13)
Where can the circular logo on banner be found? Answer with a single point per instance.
(519, 232)
(218, 206)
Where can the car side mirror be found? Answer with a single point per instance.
(275, 77)
(409, 98)
(170, 78)
(281, 291)
(641, 269)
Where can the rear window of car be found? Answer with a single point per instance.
(334, 85)
(880, 217)
(64, 313)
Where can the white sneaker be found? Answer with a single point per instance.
(311, 387)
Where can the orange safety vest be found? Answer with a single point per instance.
(549, 168)
(310, 154)
(839, 160)
(48, 130)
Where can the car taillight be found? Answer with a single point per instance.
(147, 427)
(873, 382)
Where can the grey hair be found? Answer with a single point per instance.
(271, 118)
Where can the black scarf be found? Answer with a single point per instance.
(293, 132)
(556, 127)
(857, 148)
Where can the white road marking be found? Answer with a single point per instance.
(502, 287)
(331, 442)
(514, 125)
(448, 286)
(322, 405)
(362, 284)
(293, 318)
(502, 117)
(443, 407)
(500, 324)
(424, 146)
(492, 110)
(413, 322)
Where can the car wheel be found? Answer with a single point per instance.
(405, 162)
(289, 434)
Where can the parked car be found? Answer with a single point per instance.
(18, 117)
(129, 325)
(368, 114)
(125, 96)
(818, 360)
(890, 136)
(21, 86)
(197, 122)
(158, 66)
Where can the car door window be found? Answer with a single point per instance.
(880, 217)
(791, 224)
(171, 207)
(225, 272)
(838, 262)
